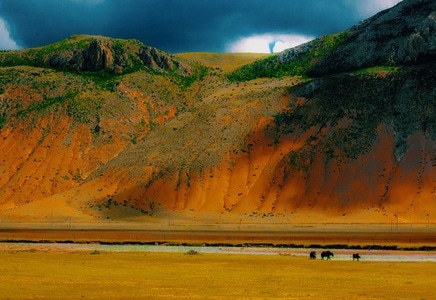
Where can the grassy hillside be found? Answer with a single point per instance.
(297, 61)
(225, 62)
(102, 128)
(49, 112)
(350, 108)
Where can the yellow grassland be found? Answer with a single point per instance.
(137, 275)
(227, 62)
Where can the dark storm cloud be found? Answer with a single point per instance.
(178, 25)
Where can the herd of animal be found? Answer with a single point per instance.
(328, 255)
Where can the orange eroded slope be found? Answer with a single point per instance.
(373, 188)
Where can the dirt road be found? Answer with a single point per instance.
(308, 236)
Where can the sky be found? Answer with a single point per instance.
(177, 26)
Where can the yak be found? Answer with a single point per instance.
(327, 254)
(356, 256)
(312, 255)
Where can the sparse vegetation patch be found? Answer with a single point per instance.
(352, 106)
(292, 62)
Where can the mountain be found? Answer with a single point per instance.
(341, 129)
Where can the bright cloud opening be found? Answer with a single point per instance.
(267, 43)
(6, 42)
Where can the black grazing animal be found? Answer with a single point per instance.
(312, 255)
(326, 254)
(356, 256)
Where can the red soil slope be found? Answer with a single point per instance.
(218, 158)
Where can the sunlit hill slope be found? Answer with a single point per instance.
(341, 129)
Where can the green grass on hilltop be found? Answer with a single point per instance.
(279, 66)
(225, 62)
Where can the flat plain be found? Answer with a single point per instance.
(34, 271)
(34, 274)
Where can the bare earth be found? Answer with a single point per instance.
(342, 235)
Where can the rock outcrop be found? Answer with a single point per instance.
(404, 34)
(97, 56)
(153, 58)
(105, 54)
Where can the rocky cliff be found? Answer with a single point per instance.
(404, 34)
